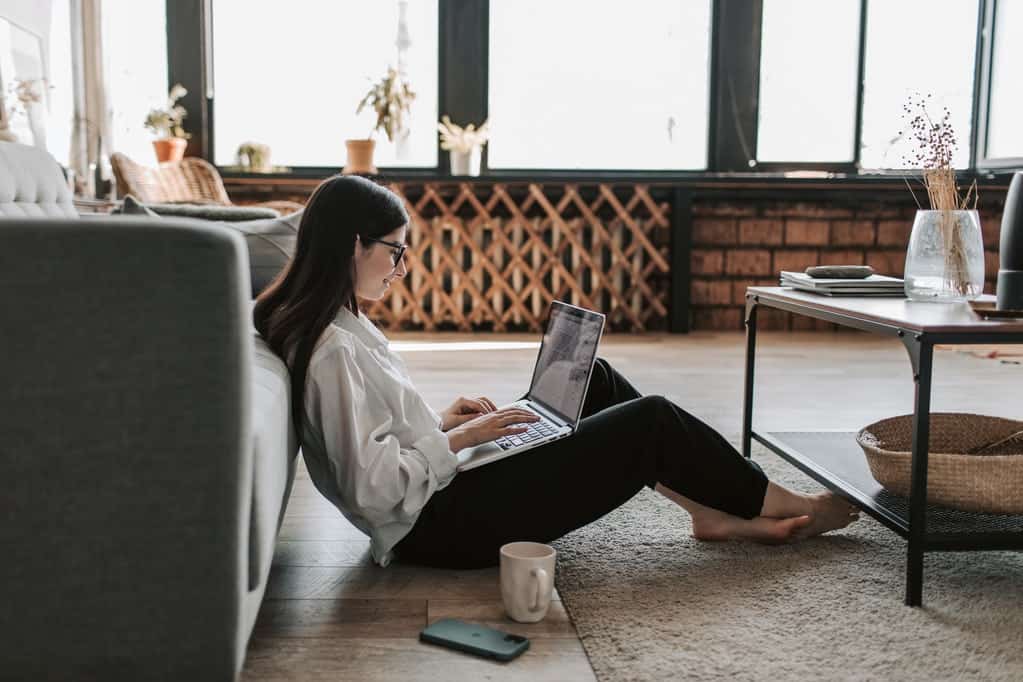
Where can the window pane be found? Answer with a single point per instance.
(291, 74)
(61, 90)
(924, 46)
(808, 63)
(579, 84)
(135, 51)
(1005, 125)
(23, 79)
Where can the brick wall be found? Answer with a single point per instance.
(737, 244)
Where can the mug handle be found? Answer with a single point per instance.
(543, 586)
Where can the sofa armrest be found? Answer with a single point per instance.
(126, 451)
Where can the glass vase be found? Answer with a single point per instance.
(945, 259)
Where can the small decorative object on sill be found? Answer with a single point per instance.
(391, 98)
(464, 144)
(166, 122)
(1010, 274)
(975, 463)
(254, 157)
(945, 258)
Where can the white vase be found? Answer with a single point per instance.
(36, 114)
(466, 163)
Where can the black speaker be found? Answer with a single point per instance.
(1010, 272)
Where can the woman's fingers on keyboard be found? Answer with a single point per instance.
(520, 416)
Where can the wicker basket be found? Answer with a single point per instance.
(975, 463)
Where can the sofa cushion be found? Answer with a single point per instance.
(32, 184)
(270, 241)
(214, 211)
(274, 445)
(271, 244)
(132, 206)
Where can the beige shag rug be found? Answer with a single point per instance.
(652, 603)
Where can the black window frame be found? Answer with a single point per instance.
(986, 27)
(463, 71)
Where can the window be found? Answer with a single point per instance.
(808, 72)
(135, 51)
(291, 75)
(916, 46)
(1005, 133)
(584, 85)
(61, 86)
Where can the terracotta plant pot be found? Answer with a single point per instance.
(360, 157)
(170, 148)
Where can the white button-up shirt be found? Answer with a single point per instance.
(371, 444)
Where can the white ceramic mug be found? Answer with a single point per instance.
(527, 580)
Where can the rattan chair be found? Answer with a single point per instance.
(191, 180)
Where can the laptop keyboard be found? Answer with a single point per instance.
(537, 431)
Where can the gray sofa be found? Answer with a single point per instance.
(270, 241)
(147, 452)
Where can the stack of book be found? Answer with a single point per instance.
(875, 285)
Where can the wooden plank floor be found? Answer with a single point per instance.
(331, 614)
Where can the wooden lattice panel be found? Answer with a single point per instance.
(493, 257)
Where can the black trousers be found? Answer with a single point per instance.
(624, 442)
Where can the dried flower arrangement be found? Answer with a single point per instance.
(29, 90)
(935, 144)
(166, 121)
(22, 95)
(391, 98)
(454, 137)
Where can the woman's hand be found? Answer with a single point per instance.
(490, 426)
(464, 409)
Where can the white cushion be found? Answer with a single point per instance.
(32, 184)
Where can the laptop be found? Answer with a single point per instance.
(557, 391)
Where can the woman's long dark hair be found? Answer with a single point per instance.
(296, 307)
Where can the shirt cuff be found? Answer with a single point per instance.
(436, 449)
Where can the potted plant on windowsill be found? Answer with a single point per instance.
(465, 145)
(165, 122)
(391, 98)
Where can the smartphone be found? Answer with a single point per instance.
(840, 271)
(474, 639)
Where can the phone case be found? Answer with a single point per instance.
(474, 639)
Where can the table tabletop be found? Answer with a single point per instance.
(916, 316)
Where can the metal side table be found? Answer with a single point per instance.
(835, 460)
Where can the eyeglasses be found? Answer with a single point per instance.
(398, 249)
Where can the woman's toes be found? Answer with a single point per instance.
(790, 528)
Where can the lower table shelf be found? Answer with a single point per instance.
(835, 460)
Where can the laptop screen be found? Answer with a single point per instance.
(566, 358)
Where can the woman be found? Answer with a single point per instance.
(387, 460)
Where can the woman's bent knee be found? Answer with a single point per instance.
(656, 403)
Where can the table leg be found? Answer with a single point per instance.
(921, 353)
(751, 347)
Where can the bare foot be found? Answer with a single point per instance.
(828, 512)
(720, 526)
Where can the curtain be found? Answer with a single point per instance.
(91, 135)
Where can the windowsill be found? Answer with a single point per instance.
(700, 180)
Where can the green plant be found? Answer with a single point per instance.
(166, 121)
(391, 99)
(254, 155)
